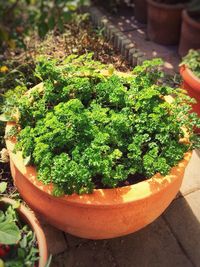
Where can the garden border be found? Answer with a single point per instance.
(119, 40)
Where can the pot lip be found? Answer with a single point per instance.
(188, 75)
(189, 19)
(101, 197)
(166, 6)
(34, 224)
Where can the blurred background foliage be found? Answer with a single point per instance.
(20, 17)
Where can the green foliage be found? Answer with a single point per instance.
(9, 231)
(194, 6)
(87, 130)
(54, 14)
(192, 61)
(40, 15)
(18, 238)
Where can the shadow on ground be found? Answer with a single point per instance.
(172, 240)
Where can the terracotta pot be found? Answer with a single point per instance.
(164, 22)
(192, 84)
(28, 217)
(103, 214)
(190, 33)
(140, 10)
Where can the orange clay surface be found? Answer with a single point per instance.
(106, 213)
(192, 84)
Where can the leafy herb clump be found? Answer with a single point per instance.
(89, 129)
(17, 241)
(192, 61)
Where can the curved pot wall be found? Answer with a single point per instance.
(103, 214)
(164, 22)
(190, 34)
(192, 84)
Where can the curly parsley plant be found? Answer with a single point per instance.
(87, 129)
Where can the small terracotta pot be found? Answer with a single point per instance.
(106, 213)
(28, 217)
(190, 34)
(164, 22)
(140, 10)
(192, 84)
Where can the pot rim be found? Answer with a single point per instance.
(34, 224)
(189, 76)
(189, 19)
(101, 197)
(167, 6)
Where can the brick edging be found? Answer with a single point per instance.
(116, 37)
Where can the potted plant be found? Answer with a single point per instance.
(190, 72)
(22, 241)
(97, 152)
(190, 31)
(140, 10)
(164, 20)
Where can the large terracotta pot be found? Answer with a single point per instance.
(192, 84)
(190, 33)
(103, 214)
(141, 10)
(164, 22)
(28, 217)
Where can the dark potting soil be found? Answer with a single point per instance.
(132, 179)
(5, 176)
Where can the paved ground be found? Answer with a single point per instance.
(137, 32)
(173, 239)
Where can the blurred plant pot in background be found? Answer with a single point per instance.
(191, 83)
(28, 217)
(140, 10)
(190, 32)
(164, 22)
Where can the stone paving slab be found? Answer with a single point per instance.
(183, 218)
(74, 241)
(126, 22)
(126, 27)
(191, 181)
(154, 246)
(90, 254)
(153, 50)
(55, 239)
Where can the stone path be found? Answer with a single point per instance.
(130, 37)
(174, 238)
